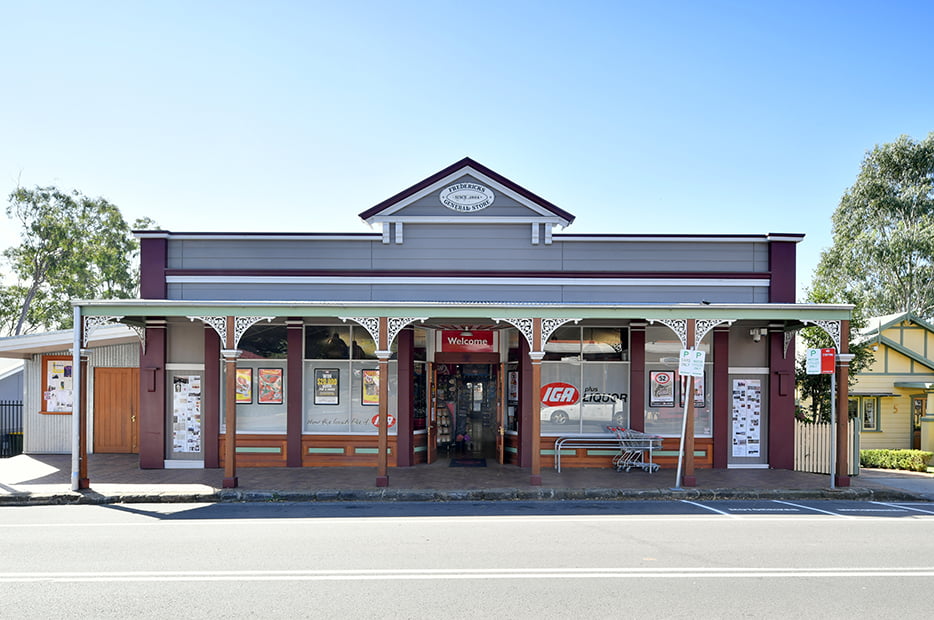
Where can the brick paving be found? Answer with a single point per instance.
(46, 479)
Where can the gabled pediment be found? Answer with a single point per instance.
(467, 193)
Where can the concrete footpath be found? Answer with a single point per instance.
(45, 479)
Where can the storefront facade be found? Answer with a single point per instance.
(466, 326)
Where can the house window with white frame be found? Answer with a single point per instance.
(870, 413)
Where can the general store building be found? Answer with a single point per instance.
(472, 323)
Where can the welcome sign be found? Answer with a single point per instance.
(453, 341)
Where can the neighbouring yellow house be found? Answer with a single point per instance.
(893, 398)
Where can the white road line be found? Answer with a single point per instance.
(904, 507)
(826, 512)
(462, 574)
(710, 508)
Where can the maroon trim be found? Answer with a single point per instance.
(153, 257)
(479, 168)
(152, 400)
(637, 378)
(210, 397)
(295, 338)
(406, 369)
(722, 398)
(781, 404)
(782, 266)
(387, 273)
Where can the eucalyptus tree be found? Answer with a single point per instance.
(882, 257)
(71, 247)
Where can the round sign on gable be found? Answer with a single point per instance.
(467, 197)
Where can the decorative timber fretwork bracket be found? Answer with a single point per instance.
(831, 328)
(91, 323)
(526, 327)
(394, 325)
(241, 324)
(701, 328)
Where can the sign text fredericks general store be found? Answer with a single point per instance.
(467, 197)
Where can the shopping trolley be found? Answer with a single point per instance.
(633, 448)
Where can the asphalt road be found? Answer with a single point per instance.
(737, 559)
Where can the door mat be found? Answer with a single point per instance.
(467, 462)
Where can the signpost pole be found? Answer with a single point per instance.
(833, 430)
(685, 389)
(822, 361)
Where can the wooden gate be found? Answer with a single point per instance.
(116, 404)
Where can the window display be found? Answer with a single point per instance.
(585, 395)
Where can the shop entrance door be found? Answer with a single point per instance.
(467, 410)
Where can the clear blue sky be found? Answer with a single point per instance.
(637, 117)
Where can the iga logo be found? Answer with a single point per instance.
(390, 418)
(557, 394)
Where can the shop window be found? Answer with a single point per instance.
(260, 396)
(327, 343)
(420, 396)
(512, 336)
(339, 342)
(261, 380)
(564, 344)
(605, 344)
(585, 380)
(341, 381)
(512, 396)
(419, 344)
(664, 397)
(263, 341)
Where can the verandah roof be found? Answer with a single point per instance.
(792, 313)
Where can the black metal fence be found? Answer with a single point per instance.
(11, 428)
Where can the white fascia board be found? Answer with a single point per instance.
(26, 345)
(270, 237)
(635, 238)
(480, 177)
(477, 281)
(155, 234)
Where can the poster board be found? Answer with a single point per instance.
(57, 384)
(244, 386)
(269, 386)
(370, 388)
(186, 413)
(747, 417)
(327, 386)
(661, 388)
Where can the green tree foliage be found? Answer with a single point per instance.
(882, 258)
(814, 390)
(71, 247)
